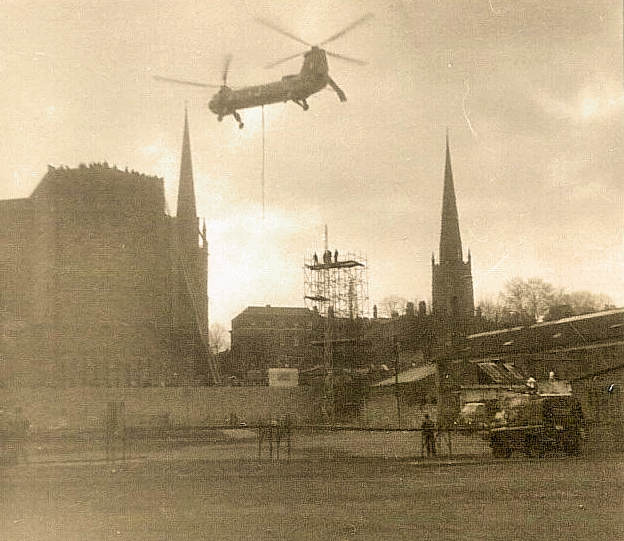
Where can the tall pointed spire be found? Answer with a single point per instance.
(450, 239)
(186, 189)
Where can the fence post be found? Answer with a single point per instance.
(122, 428)
(397, 393)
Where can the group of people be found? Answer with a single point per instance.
(327, 257)
(14, 429)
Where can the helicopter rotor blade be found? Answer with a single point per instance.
(273, 26)
(347, 58)
(282, 60)
(183, 82)
(226, 68)
(348, 28)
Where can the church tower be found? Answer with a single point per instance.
(190, 304)
(452, 295)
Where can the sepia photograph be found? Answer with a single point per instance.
(294, 270)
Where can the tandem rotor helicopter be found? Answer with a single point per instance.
(313, 77)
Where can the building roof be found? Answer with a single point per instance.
(102, 187)
(581, 331)
(275, 311)
(412, 374)
(15, 203)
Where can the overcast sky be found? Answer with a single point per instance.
(532, 93)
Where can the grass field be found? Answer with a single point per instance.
(361, 498)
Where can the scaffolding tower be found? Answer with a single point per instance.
(336, 284)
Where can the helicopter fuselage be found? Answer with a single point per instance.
(313, 77)
(290, 87)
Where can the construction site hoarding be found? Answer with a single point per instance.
(283, 377)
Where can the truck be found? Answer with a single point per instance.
(535, 424)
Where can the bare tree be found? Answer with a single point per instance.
(530, 298)
(219, 338)
(523, 301)
(492, 309)
(585, 302)
(392, 305)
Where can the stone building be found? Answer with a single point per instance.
(98, 285)
(272, 336)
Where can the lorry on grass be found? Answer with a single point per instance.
(535, 423)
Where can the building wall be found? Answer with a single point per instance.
(277, 336)
(602, 399)
(264, 337)
(452, 289)
(83, 408)
(15, 283)
(109, 275)
(96, 273)
(189, 302)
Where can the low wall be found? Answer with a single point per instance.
(84, 407)
(380, 409)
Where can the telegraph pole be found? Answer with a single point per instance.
(397, 393)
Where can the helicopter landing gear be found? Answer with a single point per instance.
(237, 117)
(303, 104)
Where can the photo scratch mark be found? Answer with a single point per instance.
(464, 109)
(494, 12)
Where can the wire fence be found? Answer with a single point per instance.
(277, 440)
(254, 442)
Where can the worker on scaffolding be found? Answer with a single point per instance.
(315, 259)
(335, 256)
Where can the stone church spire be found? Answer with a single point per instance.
(186, 190)
(452, 293)
(450, 238)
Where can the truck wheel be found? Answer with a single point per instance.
(573, 447)
(533, 449)
(500, 450)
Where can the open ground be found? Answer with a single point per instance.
(314, 498)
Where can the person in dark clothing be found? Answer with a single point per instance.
(21, 427)
(428, 435)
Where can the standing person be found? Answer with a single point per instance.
(428, 435)
(21, 426)
(5, 436)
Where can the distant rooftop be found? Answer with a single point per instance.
(282, 311)
(572, 319)
(604, 329)
(410, 375)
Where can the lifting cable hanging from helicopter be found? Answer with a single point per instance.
(313, 77)
(263, 162)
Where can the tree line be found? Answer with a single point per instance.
(524, 301)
